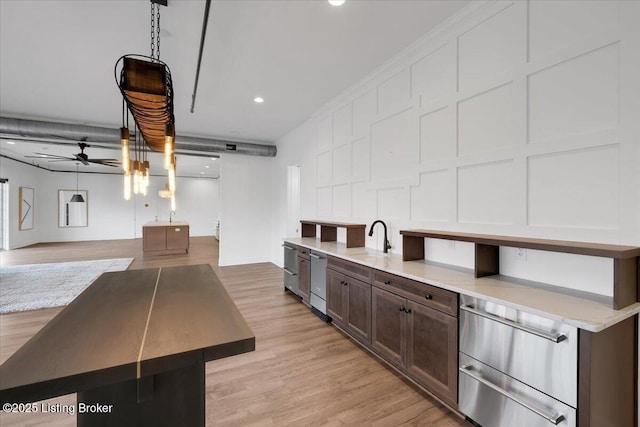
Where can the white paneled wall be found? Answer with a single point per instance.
(512, 118)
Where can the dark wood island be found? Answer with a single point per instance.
(137, 340)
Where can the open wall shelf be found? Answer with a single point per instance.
(626, 259)
(329, 232)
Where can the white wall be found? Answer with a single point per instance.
(22, 176)
(246, 200)
(513, 118)
(110, 216)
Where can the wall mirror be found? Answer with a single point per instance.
(73, 206)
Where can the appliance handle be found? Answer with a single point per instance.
(554, 419)
(553, 337)
(288, 247)
(315, 256)
(290, 273)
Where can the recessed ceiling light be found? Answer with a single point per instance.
(214, 158)
(10, 142)
(206, 166)
(258, 100)
(336, 2)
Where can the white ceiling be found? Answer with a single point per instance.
(57, 59)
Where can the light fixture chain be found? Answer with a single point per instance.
(158, 30)
(153, 23)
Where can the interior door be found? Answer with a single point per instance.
(147, 209)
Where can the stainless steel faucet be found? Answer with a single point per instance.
(386, 245)
(170, 215)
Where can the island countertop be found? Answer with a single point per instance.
(166, 224)
(591, 314)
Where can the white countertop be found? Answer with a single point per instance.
(166, 224)
(591, 314)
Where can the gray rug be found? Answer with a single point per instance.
(29, 287)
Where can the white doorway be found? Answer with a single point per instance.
(293, 201)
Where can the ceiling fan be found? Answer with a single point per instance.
(80, 157)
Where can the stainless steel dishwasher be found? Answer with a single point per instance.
(319, 285)
(291, 268)
(516, 368)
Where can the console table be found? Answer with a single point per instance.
(137, 340)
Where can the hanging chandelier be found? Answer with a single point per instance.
(147, 95)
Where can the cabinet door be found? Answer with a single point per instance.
(154, 238)
(388, 329)
(178, 238)
(359, 309)
(432, 350)
(336, 296)
(304, 279)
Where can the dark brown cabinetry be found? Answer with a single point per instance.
(411, 325)
(349, 302)
(165, 238)
(389, 329)
(304, 277)
(336, 304)
(432, 349)
(417, 338)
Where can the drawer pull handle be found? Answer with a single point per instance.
(315, 256)
(288, 247)
(402, 309)
(554, 419)
(290, 273)
(387, 282)
(553, 337)
(427, 296)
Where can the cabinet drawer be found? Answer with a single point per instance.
(351, 269)
(428, 295)
(491, 398)
(304, 252)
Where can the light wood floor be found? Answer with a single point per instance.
(303, 372)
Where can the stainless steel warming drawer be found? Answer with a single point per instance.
(509, 357)
(494, 399)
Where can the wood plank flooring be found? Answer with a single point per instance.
(303, 372)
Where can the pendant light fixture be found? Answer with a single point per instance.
(147, 92)
(77, 198)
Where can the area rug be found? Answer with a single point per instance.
(33, 286)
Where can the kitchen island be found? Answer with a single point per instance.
(134, 345)
(165, 237)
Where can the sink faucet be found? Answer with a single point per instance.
(170, 215)
(386, 245)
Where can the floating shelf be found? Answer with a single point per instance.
(626, 259)
(329, 232)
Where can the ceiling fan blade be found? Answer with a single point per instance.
(48, 156)
(103, 160)
(80, 159)
(112, 164)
